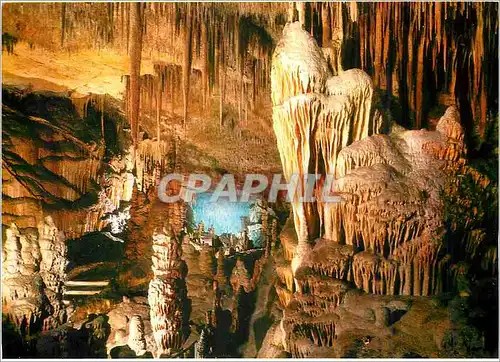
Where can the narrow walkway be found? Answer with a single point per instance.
(83, 288)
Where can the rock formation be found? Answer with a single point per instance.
(333, 139)
(55, 162)
(33, 272)
(315, 115)
(386, 234)
(136, 339)
(167, 294)
(21, 293)
(130, 326)
(53, 265)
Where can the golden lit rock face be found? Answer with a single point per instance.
(55, 167)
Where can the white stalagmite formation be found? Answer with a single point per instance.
(53, 266)
(20, 296)
(11, 256)
(386, 234)
(315, 115)
(33, 265)
(53, 250)
(136, 340)
(357, 86)
(389, 184)
(167, 294)
(299, 66)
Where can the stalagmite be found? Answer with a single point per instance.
(358, 87)
(298, 65)
(309, 125)
(299, 69)
(11, 254)
(53, 265)
(136, 340)
(240, 277)
(31, 267)
(21, 297)
(167, 294)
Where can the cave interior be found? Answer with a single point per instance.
(398, 102)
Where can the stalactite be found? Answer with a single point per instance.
(419, 81)
(159, 98)
(301, 9)
(325, 19)
(135, 67)
(220, 54)
(303, 329)
(63, 23)
(187, 58)
(205, 64)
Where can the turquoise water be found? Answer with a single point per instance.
(223, 215)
